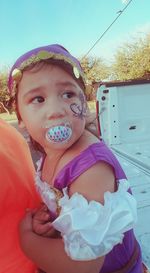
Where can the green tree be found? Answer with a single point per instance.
(132, 60)
(4, 95)
(94, 68)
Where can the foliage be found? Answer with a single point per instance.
(94, 69)
(132, 61)
(3, 87)
(4, 97)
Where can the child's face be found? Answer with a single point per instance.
(49, 97)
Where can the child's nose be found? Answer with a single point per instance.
(54, 110)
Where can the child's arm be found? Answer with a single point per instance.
(41, 223)
(49, 254)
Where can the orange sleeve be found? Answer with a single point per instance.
(17, 192)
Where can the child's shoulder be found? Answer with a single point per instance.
(77, 148)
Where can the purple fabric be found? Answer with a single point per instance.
(94, 153)
(54, 48)
(121, 253)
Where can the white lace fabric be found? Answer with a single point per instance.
(90, 229)
(46, 192)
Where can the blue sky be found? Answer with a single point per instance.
(76, 24)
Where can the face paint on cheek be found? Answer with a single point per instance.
(79, 110)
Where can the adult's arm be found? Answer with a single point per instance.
(17, 192)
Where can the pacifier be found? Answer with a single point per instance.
(59, 133)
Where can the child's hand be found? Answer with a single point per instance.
(41, 222)
(26, 223)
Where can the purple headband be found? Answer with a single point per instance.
(55, 52)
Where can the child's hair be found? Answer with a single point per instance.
(33, 61)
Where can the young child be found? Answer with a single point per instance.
(79, 179)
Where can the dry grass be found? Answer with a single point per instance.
(92, 105)
(8, 117)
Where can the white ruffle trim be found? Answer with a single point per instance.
(46, 193)
(90, 229)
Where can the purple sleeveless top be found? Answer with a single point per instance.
(121, 253)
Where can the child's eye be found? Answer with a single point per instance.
(68, 94)
(37, 99)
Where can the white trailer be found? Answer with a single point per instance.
(124, 122)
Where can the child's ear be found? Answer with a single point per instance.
(21, 124)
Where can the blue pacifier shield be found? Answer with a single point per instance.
(59, 134)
